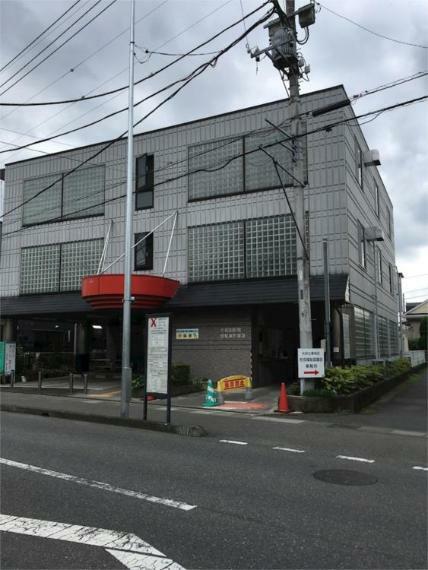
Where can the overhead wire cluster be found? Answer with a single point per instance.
(56, 49)
(185, 81)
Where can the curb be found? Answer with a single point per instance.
(186, 430)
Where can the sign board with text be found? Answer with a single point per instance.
(187, 334)
(7, 357)
(157, 354)
(311, 362)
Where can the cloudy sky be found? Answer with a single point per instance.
(338, 52)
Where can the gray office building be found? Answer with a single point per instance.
(233, 248)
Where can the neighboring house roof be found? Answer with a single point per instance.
(417, 310)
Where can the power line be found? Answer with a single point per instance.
(371, 31)
(88, 57)
(25, 48)
(149, 76)
(57, 48)
(198, 71)
(186, 174)
(105, 117)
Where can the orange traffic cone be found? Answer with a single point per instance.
(283, 400)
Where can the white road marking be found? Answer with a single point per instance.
(417, 467)
(129, 549)
(361, 459)
(99, 485)
(278, 419)
(234, 442)
(289, 449)
(408, 432)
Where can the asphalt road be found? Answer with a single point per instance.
(235, 505)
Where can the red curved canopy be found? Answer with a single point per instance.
(106, 291)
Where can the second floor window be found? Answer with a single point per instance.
(144, 182)
(362, 258)
(379, 267)
(143, 252)
(358, 163)
(377, 201)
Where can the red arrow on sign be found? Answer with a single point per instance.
(311, 372)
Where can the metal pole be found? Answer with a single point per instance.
(71, 381)
(39, 380)
(12, 379)
(125, 395)
(376, 318)
(303, 265)
(327, 316)
(85, 383)
(400, 314)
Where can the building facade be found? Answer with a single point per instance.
(233, 248)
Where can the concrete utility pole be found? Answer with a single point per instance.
(125, 395)
(303, 264)
(284, 56)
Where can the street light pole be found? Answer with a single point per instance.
(126, 378)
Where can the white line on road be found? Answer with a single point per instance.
(129, 549)
(279, 419)
(361, 459)
(99, 485)
(418, 468)
(234, 442)
(408, 432)
(289, 449)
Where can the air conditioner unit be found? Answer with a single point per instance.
(371, 158)
(374, 233)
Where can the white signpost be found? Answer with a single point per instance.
(310, 364)
(9, 358)
(158, 359)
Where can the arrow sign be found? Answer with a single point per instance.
(314, 372)
(311, 362)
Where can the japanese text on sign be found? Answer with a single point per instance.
(157, 354)
(311, 362)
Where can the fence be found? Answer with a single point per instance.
(416, 357)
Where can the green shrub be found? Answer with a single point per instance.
(180, 374)
(318, 393)
(340, 380)
(293, 389)
(137, 383)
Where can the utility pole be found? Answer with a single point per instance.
(400, 313)
(283, 54)
(126, 378)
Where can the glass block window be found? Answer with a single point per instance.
(83, 191)
(78, 259)
(40, 269)
(260, 172)
(216, 252)
(143, 252)
(222, 181)
(270, 247)
(363, 327)
(383, 336)
(393, 338)
(144, 181)
(46, 206)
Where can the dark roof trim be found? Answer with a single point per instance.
(237, 293)
(209, 118)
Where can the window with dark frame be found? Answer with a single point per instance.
(389, 221)
(358, 163)
(362, 257)
(144, 181)
(391, 279)
(379, 267)
(143, 252)
(377, 198)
